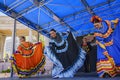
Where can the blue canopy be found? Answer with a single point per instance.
(43, 15)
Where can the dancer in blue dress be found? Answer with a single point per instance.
(65, 54)
(108, 46)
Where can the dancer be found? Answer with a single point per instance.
(28, 59)
(108, 46)
(65, 54)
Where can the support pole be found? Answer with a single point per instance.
(30, 35)
(38, 37)
(13, 44)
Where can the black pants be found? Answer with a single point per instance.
(87, 63)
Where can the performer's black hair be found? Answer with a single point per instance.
(23, 37)
(53, 30)
(96, 21)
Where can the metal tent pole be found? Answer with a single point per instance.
(13, 44)
(38, 37)
(30, 35)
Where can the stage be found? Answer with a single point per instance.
(79, 76)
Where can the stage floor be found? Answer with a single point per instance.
(79, 76)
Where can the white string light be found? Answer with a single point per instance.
(15, 5)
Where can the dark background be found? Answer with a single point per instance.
(92, 55)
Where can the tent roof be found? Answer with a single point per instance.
(43, 15)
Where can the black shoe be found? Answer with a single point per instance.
(106, 75)
(87, 71)
(55, 77)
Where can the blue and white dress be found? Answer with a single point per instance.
(66, 56)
